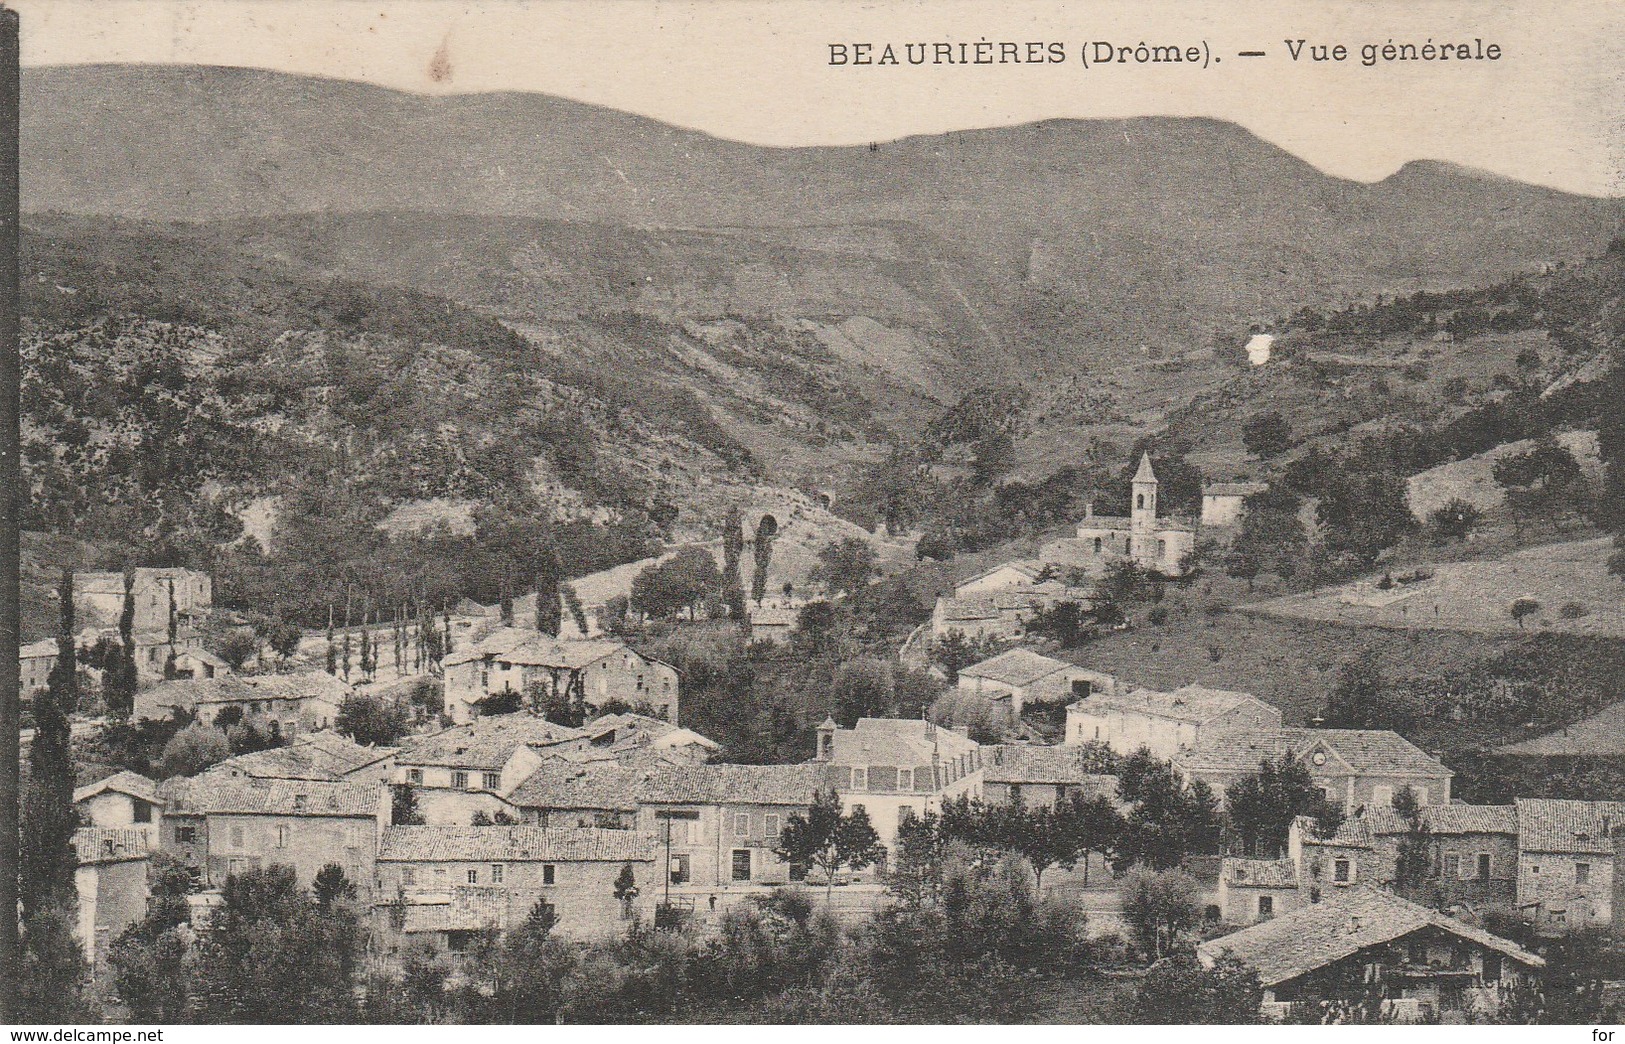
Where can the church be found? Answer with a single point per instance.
(1159, 545)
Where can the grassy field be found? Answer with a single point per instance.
(1570, 581)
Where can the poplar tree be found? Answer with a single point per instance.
(733, 584)
(762, 553)
(549, 575)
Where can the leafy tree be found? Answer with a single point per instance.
(236, 646)
(1267, 435)
(680, 583)
(147, 958)
(1261, 807)
(194, 749)
(1360, 696)
(282, 636)
(825, 838)
(330, 886)
(1271, 537)
(371, 720)
(1181, 991)
(818, 629)
(915, 877)
(1067, 622)
(1364, 512)
(1522, 608)
(626, 889)
(269, 950)
(846, 566)
(1545, 482)
(864, 688)
(1167, 819)
(1159, 907)
(1454, 521)
(534, 966)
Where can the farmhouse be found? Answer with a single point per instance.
(1370, 950)
(446, 883)
(170, 606)
(1253, 890)
(1040, 775)
(111, 881)
(293, 703)
(1191, 717)
(718, 824)
(896, 768)
(1160, 545)
(1355, 767)
(1472, 853)
(124, 801)
(513, 662)
(467, 768)
(221, 825)
(1571, 864)
(1013, 679)
(34, 663)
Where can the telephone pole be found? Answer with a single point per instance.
(11, 497)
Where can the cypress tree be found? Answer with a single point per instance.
(548, 577)
(733, 584)
(766, 530)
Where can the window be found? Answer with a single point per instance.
(1162, 549)
(1483, 866)
(491, 780)
(236, 837)
(185, 835)
(282, 835)
(1534, 868)
(1582, 873)
(905, 779)
(771, 826)
(1340, 871)
(1097, 545)
(459, 780)
(142, 812)
(741, 864)
(860, 779)
(473, 877)
(409, 875)
(1015, 792)
(742, 824)
(1060, 794)
(1452, 866)
(1082, 688)
(414, 775)
(1139, 501)
(1266, 907)
(549, 873)
(496, 873)
(440, 876)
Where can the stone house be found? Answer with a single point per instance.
(1038, 775)
(157, 593)
(1472, 854)
(1013, 679)
(34, 663)
(111, 882)
(1253, 890)
(1191, 717)
(221, 825)
(1224, 504)
(469, 768)
(1371, 951)
(622, 734)
(1356, 768)
(896, 768)
(593, 673)
(1003, 615)
(200, 663)
(448, 882)
(1159, 545)
(295, 704)
(1571, 864)
(717, 825)
(773, 624)
(123, 801)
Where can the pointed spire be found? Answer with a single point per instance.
(1145, 474)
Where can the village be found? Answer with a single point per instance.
(523, 761)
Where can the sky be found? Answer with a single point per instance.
(1550, 110)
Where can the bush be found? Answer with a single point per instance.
(1572, 611)
(193, 749)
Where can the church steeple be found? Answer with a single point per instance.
(1145, 492)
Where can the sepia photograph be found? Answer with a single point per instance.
(809, 512)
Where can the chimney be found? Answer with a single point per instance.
(1088, 509)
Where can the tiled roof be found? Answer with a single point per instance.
(1446, 819)
(1016, 667)
(1233, 489)
(131, 783)
(1259, 873)
(1294, 944)
(513, 844)
(897, 741)
(237, 688)
(985, 607)
(567, 783)
(1025, 763)
(773, 617)
(110, 844)
(1580, 827)
(465, 910)
(1370, 751)
(1601, 735)
(1376, 752)
(1031, 568)
(219, 794)
(542, 651)
(485, 743)
(39, 650)
(318, 755)
(203, 656)
(1193, 703)
(732, 784)
(622, 725)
